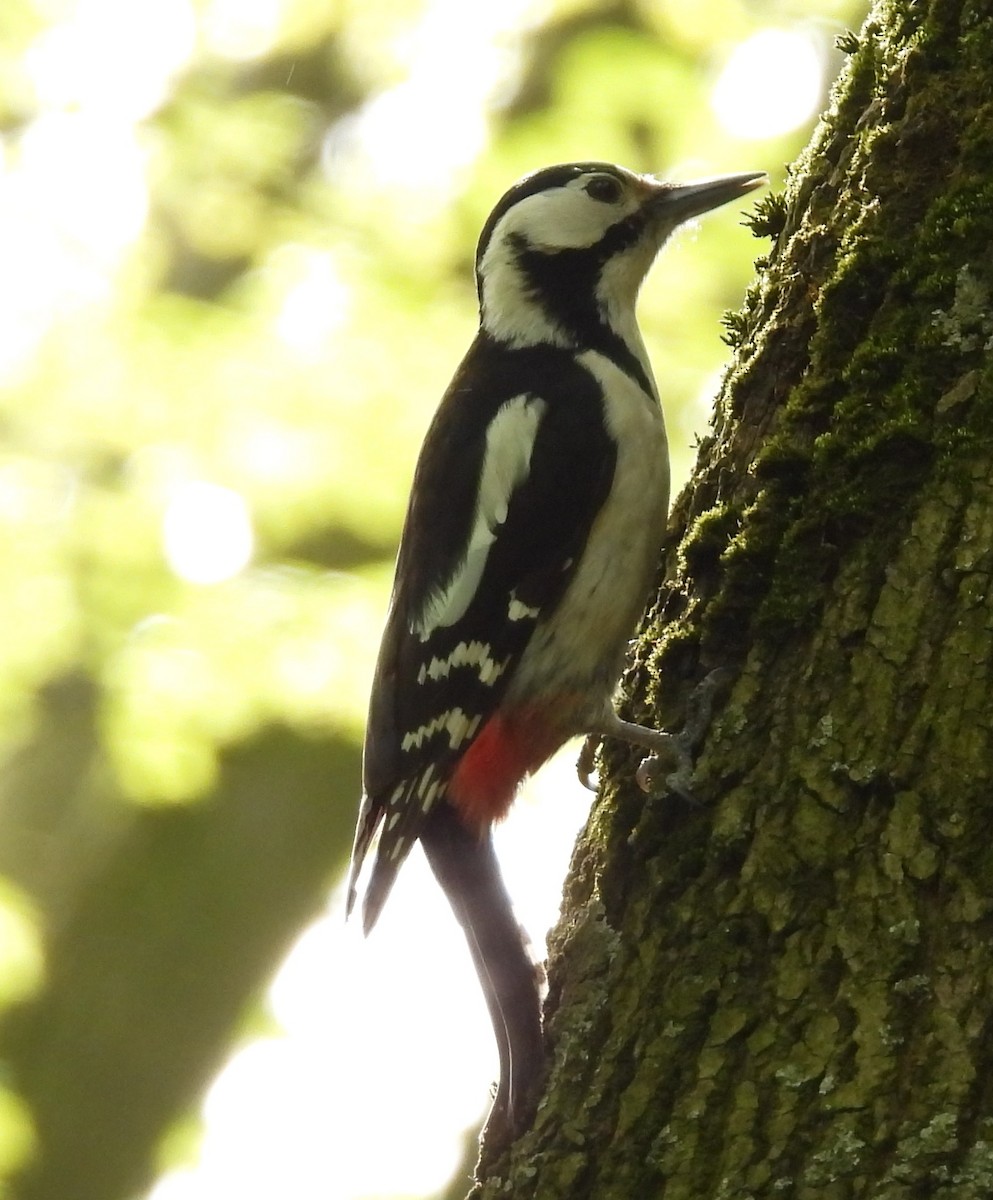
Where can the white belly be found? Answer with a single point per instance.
(574, 659)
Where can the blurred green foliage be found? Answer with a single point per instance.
(236, 247)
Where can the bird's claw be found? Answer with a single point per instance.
(586, 763)
(665, 748)
(680, 747)
(652, 767)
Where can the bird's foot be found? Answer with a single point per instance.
(586, 763)
(666, 748)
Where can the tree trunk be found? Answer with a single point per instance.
(787, 989)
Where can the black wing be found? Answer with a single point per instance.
(448, 652)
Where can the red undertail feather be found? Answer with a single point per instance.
(508, 747)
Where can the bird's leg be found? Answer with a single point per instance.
(677, 747)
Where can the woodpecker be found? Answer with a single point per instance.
(533, 531)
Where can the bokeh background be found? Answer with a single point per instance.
(236, 243)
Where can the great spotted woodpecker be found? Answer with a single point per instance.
(534, 527)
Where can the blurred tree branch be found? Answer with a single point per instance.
(161, 938)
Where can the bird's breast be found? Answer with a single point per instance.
(579, 650)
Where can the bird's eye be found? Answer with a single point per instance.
(604, 188)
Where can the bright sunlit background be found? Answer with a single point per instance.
(235, 275)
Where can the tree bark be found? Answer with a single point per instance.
(786, 989)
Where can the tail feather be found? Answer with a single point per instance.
(381, 881)
(370, 816)
(397, 819)
(386, 864)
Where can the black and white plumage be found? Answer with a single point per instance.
(536, 517)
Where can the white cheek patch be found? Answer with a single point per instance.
(506, 463)
(510, 313)
(562, 218)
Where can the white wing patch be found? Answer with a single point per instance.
(517, 610)
(506, 463)
(425, 789)
(466, 654)
(454, 722)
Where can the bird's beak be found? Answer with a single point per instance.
(678, 202)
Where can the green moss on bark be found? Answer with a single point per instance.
(786, 989)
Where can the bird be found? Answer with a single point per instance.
(532, 535)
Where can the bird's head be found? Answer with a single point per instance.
(566, 248)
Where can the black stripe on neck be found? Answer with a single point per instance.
(564, 283)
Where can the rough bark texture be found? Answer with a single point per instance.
(787, 990)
